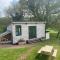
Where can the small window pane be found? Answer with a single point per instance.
(18, 30)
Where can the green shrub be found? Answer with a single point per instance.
(53, 35)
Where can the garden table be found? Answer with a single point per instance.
(47, 50)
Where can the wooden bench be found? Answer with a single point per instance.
(47, 50)
(40, 50)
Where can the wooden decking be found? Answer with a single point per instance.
(6, 37)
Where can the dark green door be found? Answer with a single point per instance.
(32, 32)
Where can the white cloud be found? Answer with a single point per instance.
(4, 4)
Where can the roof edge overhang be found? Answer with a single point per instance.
(29, 22)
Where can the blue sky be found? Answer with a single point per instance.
(3, 5)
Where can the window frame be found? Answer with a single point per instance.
(18, 30)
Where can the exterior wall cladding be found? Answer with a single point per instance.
(40, 29)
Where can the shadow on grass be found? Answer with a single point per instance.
(42, 57)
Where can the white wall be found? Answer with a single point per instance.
(40, 30)
(25, 31)
(47, 35)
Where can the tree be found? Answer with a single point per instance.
(15, 12)
(43, 9)
(57, 25)
(46, 10)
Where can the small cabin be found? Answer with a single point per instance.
(27, 31)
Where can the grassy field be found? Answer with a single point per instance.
(11, 54)
(33, 55)
(30, 54)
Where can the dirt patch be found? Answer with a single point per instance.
(15, 46)
(11, 46)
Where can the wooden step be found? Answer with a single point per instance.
(22, 43)
(5, 42)
(33, 40)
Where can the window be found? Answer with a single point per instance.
(18, 30)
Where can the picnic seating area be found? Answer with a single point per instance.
(49, 51)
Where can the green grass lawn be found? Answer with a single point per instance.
(33, 55)
(11, 54)
(51, 30)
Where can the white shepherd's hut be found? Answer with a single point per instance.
(27, 31)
